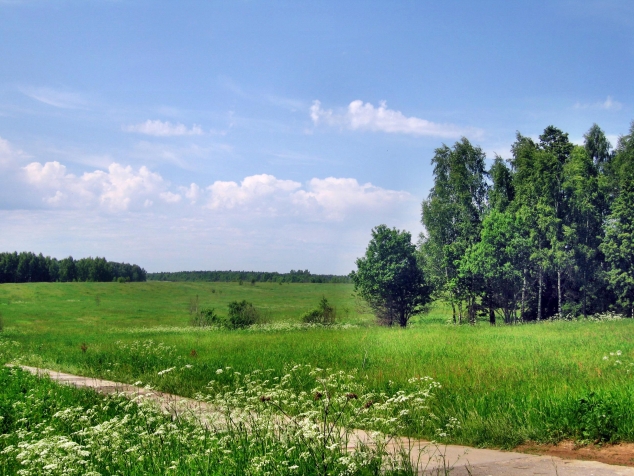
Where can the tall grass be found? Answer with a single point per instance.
(47, 429)
(505, 385)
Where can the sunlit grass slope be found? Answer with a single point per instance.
(505, 384)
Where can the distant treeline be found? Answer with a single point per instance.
(28, 267)
(249, 276)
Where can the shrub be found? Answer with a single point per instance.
(242, 314)
(205, 317)
(324, 314)
(595, 419)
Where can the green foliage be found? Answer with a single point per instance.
(294, 276)
(452, 216)
(324, 314)
(242, 314)
(498, 260)
(205, 317)
(389, 279)
(30, 268)
(618, 245)
(546, 236)
(595, 419)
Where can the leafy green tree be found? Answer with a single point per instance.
(502, 192)
(498, 261)
(582, 230)
(452, 216)
(388, 277)
(618, 245)
(597, 146)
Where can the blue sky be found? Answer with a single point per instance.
(275, 135)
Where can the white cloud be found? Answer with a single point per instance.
(7, 153)
(329, 199)
(257, 191)
(360, 116)
(170, 197)
(608, 105)
(163, 129)
(336, 198)
(113, 190)
(52, 97)
(192, 193)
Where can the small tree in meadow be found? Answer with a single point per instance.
(324, 314)
(389, 279)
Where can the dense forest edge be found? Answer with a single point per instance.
(294, 276)
(547, 233)
(27, 267)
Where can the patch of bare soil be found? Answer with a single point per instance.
(622, 454)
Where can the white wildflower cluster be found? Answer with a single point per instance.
(9, 350)
(615, 359)
(606, 316)
(264, 426)
(283, 326)
(147, 348)
(335, 424)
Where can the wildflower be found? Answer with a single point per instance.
(219, 371)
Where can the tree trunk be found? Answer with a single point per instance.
(559, 294)
(585, 314)
(523, 296)
(539, 295)
(491, 310)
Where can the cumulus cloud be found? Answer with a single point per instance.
(330, 199)
(608, 105)
(163, 129)
(114, 189)
(192, 193)
(170, 197)
(257, 191)
(360, 116)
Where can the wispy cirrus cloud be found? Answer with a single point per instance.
(163, 129)
(57, 98)
(608, 105)
(365, 116)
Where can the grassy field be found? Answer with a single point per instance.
(505, 385)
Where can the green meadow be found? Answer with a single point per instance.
(505, 384)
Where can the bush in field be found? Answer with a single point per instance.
(206, 317)
(324, 314)
(242, 314)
